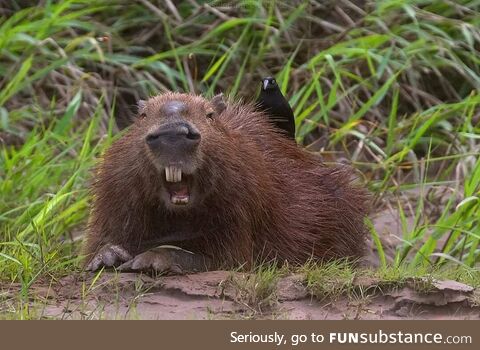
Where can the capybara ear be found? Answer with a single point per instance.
(129, 119)
(218, 103)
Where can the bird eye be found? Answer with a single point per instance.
(273, 81)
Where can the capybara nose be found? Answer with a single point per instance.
(178, 136)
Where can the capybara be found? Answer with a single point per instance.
(198, 184)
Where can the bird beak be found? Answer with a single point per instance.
(265, 84)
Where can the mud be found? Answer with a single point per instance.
(217, 295)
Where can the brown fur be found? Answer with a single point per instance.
(261, 196)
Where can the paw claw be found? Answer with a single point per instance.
(126, 266)
(109, 256)
(147, 261)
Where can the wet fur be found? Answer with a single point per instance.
(265, 198)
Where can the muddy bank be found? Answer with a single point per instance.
(231, 295)
(226, 295)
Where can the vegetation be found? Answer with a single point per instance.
(390, 86)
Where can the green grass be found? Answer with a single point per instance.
(391, 86)
(331, 281)
(256, 291)
(45, 198)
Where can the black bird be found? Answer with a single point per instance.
(276, 106)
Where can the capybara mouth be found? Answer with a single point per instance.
(178, 185)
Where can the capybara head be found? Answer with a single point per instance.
(173, 129)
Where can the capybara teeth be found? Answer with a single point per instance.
(179, 175)
(173, 174)
(168, 174)
(180, 200)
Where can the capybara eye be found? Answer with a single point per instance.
(210, 115)
(142, 116)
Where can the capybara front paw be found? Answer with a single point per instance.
(109, 255)
(153, 260)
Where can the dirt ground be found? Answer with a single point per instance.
(215, 295)
(220, 295)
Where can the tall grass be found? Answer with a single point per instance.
(391, 86)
